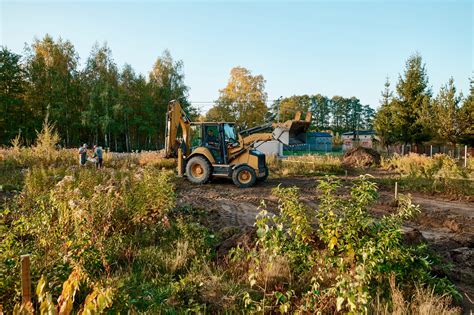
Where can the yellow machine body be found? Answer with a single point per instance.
(214, 149)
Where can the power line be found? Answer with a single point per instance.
(214, 102)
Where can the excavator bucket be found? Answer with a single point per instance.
(293, 131)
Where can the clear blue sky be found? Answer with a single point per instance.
(328, 47)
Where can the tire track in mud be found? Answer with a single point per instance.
(237, 207)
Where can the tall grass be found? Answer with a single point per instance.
(414, 165)
(307, 165)
(116, 231)
(440, 174)
(16, 160)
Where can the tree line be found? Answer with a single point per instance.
(100, 103)
(121, 109)
(412, 115)
(244, 100)
(118, 108)
(337, 114)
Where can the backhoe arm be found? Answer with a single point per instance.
(176, 117)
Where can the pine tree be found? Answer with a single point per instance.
(383, 120)
(447, 114)
(320, 107)
(466, 116)
(412, 100)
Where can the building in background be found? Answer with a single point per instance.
(363, 138)
(319, 141)
(314, 142)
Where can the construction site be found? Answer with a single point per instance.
(236, 157)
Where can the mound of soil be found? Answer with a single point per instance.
(361, 157)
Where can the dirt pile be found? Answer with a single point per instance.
(361, 157)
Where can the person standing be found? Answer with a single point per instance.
(98, 154)
(83, 154)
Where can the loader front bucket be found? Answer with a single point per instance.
(292, 132)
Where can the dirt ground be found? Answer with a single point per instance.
(447, 226)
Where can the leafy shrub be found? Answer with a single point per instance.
(338, 262)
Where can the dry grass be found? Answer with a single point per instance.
(305, 165)
(417, 165)
(423, 302)
(440, 174)
(155, 158)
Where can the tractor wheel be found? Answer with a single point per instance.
(264, 177)
(244, 176)
(198, 170)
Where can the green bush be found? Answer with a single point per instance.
(335, 258)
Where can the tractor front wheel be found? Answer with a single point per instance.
(244, 176)
(198, 170)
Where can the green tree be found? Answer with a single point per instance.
(128, 106)
(384, 121)
(53, 86)
(353, 119)
(243, 100)
(13, 113)
(166, 81)
(321, 109)
(274, 109)
(466, 116)
(100, 79)
(339, 107)
(296, 103)
(447, 115)
(411, 102)
(367, 117)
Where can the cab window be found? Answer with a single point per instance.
(229, 133)
(196, 136)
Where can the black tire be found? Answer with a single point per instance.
(198, 170)
(264, 177)
(244, 176)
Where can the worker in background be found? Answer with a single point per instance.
(83, 154)
(98, 154)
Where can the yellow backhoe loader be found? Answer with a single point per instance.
(214, 149)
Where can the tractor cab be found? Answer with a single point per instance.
(216, 137)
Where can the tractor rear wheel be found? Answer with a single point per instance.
(198, 170)
(244, 176)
